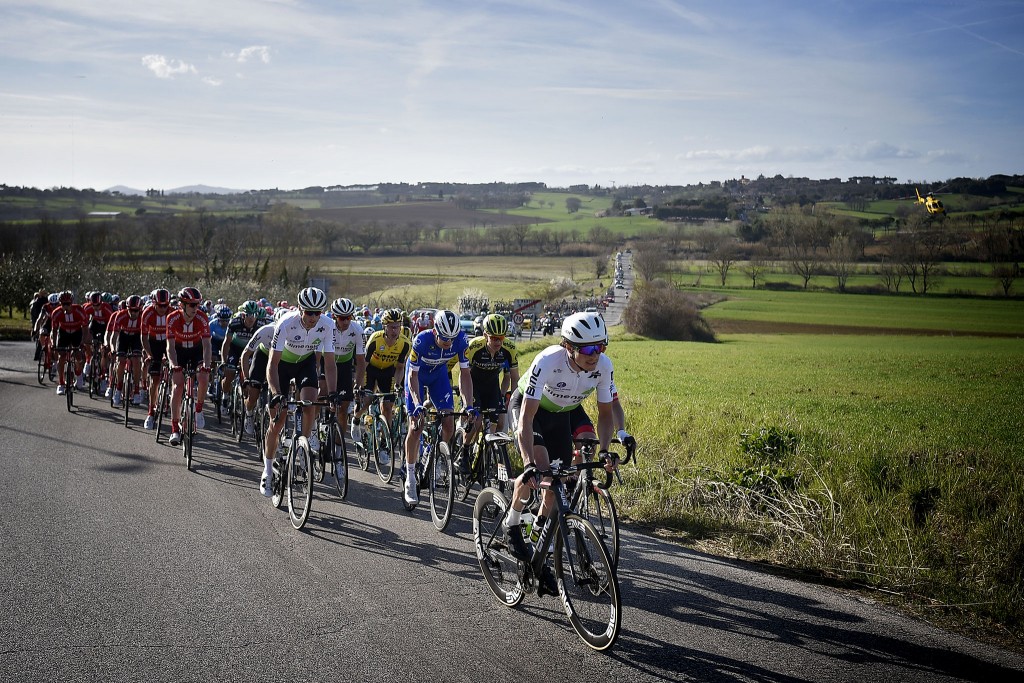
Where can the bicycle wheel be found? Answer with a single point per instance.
(41, 367)
(499, 567)
(280, 483)
(587, 584)
(162, 405)
(51, 367)
(300, 487)
(384, 454)
(188, 421)
(69, 384)
(238, 413)
(319, 457)
(362, 445)
(128, 387)
(441, 480)
(598, 508)
(260, 421)
(462, 483)
(340, 460)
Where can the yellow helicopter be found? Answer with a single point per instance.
(931, 203)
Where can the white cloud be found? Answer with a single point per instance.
(261, 52)
(209, 80)
(166, 68)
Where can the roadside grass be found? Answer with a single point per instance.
(1002, 316)
(904, 473)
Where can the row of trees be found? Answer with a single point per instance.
(807, 245)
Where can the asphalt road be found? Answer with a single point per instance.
(120, 565)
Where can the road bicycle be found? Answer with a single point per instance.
(163, 397)
(45, 366)
(435, 470)
(128, 382)
(292, 479)
(332, 451)
(96, 363)
(591, 498)
(486, 460)
(70, 354)
(587, 583)
(236, 409)
(188, 415)
(376, 437)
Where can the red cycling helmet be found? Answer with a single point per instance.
(66, 297)
(190, 295)
(134, 303)
(161, 297)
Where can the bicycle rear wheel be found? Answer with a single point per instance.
(385, 453)
(319, 458)
(362, 445)
(188, 420)
(69, 383)
(598, 508)
(499, 567)
(162, 405)
(459, 453)
(587, 583)
(128, 387)
(41, 367)
(441, 480)
(300, 486)
(340, 460)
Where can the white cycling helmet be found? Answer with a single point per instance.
(312, 299)
(342, 307)
(446, 324)
(584, 328)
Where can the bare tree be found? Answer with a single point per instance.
(367, 236)
(756, 265)
(600, 266)
(723, 257)
(650, 260)
(520, 231)
(842, 254)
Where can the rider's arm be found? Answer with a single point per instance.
(605, 424)
(225, 348)
(414, 386)
(466, 387)
(331, 371)
(207, 352)
(272, 381)
(243, 364)
(360, 370)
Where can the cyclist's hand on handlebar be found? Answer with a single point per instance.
(473, 411)
(276, 400)
(417, 412)
(335, 398)
(611, 460)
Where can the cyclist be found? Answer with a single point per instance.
(546, 414)
(154, 345)
(349, 354)
(188, 348)
(100, 313)
(67, 322)
(252, 365)
(386, 353)
(239, 331)
(41, 329)
(494, 366)
(426, 374)
(124, 338)
(298, 339)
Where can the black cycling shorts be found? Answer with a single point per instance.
(345, 372)
(553, 431)
(304, 373)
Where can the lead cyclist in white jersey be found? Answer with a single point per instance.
(546, 414)
(298, 338)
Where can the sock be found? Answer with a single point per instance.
(199, 406)
(410, 473)
(513, 517)
(268, 467)
(174, 426)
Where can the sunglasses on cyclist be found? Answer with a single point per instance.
(499, 337)
(187, 305)
(591, 349)
(311, 314)
(343, 318)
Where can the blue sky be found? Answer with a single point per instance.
(290, 93)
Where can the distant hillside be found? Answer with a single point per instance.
(186, 189)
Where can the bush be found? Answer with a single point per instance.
(660, 311)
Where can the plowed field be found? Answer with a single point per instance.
(428, 213)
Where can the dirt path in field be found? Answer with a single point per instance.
(760, 327)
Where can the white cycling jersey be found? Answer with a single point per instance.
(559, 388)
(348, 343)
(261, 340)
(296, 343)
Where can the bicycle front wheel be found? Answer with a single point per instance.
(361, 445)
(188, 418)
(319, 458)
(339, 454)
(587, 583)
(441, 480)
(598, 508)
(499, 567)
(128, 390)
(69, 384)
(385, 452)
(300, 486)
(460, 454)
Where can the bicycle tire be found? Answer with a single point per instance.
(127, 385)
(238, 412)
(188, 416)
(300, 487)
(218, 397)
(318, 459)
(162, 407)
(51, 368)
(458, 449)
(499, 567)
(362, 445)
(382, 442)
(69, 384)
(587, 584)
(598, 508)
(340, 461)
(41, 367)
(441, 481)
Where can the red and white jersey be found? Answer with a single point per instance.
(185, 334)
(70, 319)
(121, 322)
(154, 323)
(99, 314)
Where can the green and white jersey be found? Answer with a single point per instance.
(348, 343)
(261, 340)
(296, 343)
(559, 388)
